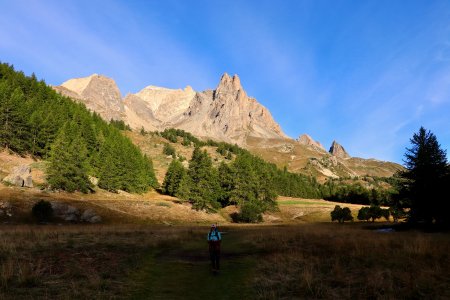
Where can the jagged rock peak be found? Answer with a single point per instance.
(229, 84)
(307, 140)
(337, 150)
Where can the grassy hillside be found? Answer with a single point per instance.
(320, 164)
(152, 145)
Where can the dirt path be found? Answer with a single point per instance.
(183, 271)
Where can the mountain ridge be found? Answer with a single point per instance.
(225, 113)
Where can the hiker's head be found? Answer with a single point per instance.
(213, 227)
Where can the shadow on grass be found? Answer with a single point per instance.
(182, 271)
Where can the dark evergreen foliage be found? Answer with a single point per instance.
(175, 174)
(296, 185)
(119, 124)
(204, 185)
(355, 193)
(424, 184)
(42, 211)
(68, 169)
(36, 120)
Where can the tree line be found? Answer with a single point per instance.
(356, 193)
(35, 120)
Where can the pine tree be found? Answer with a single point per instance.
(172, 180)
(184, 188)
(204, 189)
(111, 169)
(13, 125)
(68, 169)
(37, 147)
(149, 173)
(426, 169)
(225, 177)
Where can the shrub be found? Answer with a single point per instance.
(169, 150)
(341, 214)
(373, 212)
(363, 214)
(250, 213)
(42, 211)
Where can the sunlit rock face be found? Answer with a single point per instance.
(225, 114)
(338, 151)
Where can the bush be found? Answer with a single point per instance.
(42, 211)
(363, 214)
(169, 150)
(250, 213)
(373, 212)
(341, 214)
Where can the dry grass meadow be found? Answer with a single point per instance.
(309, 261)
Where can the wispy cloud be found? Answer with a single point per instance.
(60, 35)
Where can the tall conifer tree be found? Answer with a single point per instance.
(68, 169)
(172, 180)
(426, 165)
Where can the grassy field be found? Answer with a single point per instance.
(258, 262)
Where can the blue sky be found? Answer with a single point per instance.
(365, 73)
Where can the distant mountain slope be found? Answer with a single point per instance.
(308, 159)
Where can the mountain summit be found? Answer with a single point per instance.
(337, 150)
(229, 85)
(226, 113)
(98, 92)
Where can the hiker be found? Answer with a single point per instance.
(214, 240)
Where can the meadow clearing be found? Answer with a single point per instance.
(311, 260)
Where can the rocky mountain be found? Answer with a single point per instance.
(227, 114)
(338, 151)
(99, 93)
(306, 140)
